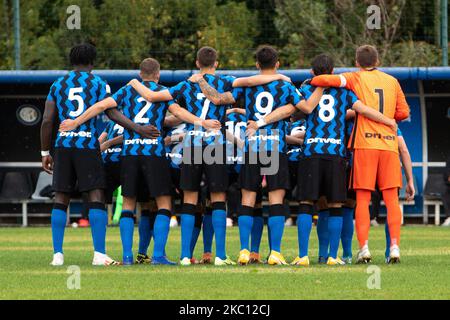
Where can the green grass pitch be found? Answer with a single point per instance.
(25, 272)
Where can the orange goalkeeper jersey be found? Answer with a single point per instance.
(377, 90)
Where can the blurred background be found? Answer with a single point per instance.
(36, 36)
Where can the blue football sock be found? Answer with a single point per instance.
(187, 227)
(347, 232)
(126, 225)
(161, 233)
(257, 231)
(245, 222)
(144, 234)
(268, 238)
(387, 253)
(304, 226)
(195, 234)
(208, 233)
(59, 217)
(334, 230)
(323, 234)
(98, 218)
(276, 224)
(219, 222)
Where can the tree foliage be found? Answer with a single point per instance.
(172, 31)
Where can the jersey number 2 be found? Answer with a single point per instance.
(140, 117)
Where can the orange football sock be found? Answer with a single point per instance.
(362, 216)
(394, 214)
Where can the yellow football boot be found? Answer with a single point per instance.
(276, 258)
(244, 257)
(335, 262)
(304, 261)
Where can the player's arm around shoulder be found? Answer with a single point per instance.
(149, 95)
(344, 80)
(188, 117)
(308, 104)
(260, 79)
(93, 111)
(374, 115)
(211, 93)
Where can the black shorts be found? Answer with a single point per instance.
(112, 176)
(149, 171)
(293, 171)
(351, 194)
(216, 174)
(251, 175)
(322, 176)
(72, 165)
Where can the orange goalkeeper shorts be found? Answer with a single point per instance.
(373, 168)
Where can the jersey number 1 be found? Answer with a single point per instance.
(380, 93)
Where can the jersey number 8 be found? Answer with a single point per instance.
(326, 110)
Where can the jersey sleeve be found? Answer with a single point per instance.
(351, 99)
(305, 91)
(344, 80)
(52, 93)
(177, 91)
(228, 81)
(119, 96)
(104, 90)
(295, 95)
(237, 93)
(402, 108)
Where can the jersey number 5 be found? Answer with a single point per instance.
(74, 96)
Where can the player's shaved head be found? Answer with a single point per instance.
(83, 55)
(322, 64)
(207, 57)
(367, 56)
(267, 57)
(150, 69)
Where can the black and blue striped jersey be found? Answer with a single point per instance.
(325, 126)
(142, 112)
(236, 124)
(259, 102)
(295, 152)
(113, 130)
(174, 152)
(189, 96)
(73, 94)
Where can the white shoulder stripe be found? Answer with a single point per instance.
(343, 81)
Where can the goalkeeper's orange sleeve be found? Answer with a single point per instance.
(328, 80)
(402, 108)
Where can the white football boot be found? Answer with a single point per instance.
(364, 255)
(101, 259)
(58, 259)
(394, 256)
